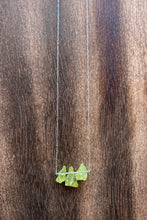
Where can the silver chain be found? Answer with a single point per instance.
(57, 109)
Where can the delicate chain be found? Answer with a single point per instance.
(88, 93)
(57, 110)
(88, 84)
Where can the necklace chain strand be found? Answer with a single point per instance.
(88, 93)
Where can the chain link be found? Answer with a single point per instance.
(88, 93)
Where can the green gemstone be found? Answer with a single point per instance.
(71, 179)
(80, 175)
(61, 178)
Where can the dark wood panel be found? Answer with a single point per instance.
(115, 189)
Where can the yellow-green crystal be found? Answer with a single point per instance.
(81, 175)
(71, 179)
(61, 178)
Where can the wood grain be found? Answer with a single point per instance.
(116, 187)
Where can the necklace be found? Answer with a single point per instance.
(71, 177)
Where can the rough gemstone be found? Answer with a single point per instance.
(61, 178)
(71, 179)
(81, 175)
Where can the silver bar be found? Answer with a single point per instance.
(86, 171)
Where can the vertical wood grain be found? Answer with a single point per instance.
(114, 124)
(115, 189)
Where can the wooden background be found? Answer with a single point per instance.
(115, 188)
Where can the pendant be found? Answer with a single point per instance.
(70, 178)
